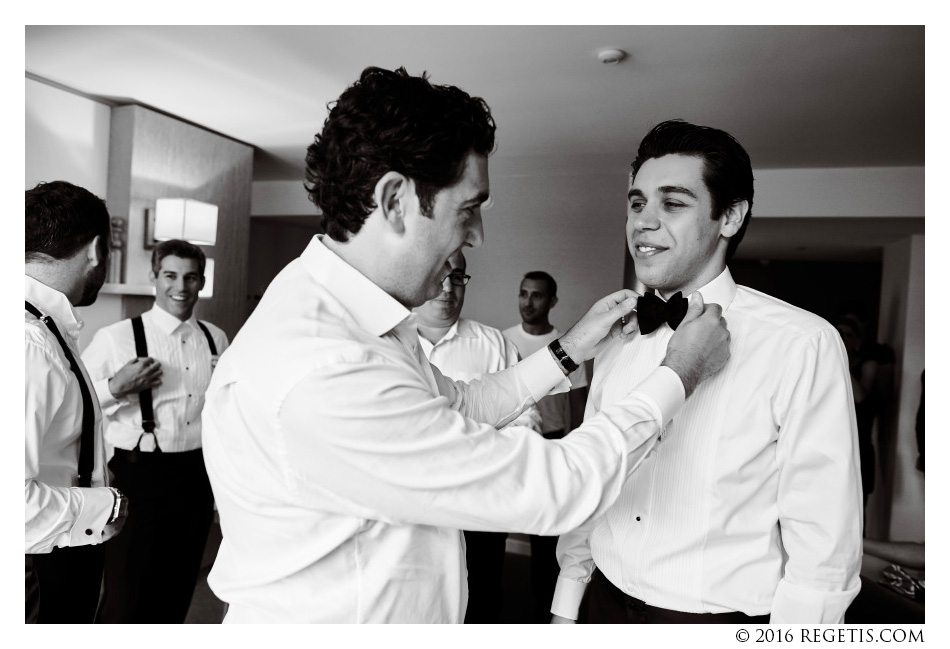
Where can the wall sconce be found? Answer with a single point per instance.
(208, 290)
(182, 218)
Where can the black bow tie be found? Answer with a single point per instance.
(652, 311)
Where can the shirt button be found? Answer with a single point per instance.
(88, 532)
(638, 518)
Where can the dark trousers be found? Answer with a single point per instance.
(152, 566)
(607, 604)
(485, 560)
(544, 572)
(63, 586)
(544, 566)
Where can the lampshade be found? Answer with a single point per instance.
(208, 290)
(184, 218)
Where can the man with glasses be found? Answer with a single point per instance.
(463, 350)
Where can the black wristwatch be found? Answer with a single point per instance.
(566, 362)
(121, 507)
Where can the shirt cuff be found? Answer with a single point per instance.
(662, 389)
(542, 374)
(665, 388)
(108, 403)
(97, 506)
(567, 598)
(796, 604)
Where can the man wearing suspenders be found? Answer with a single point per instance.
(70, 509)
(150, 374)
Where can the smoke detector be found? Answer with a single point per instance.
(611, 56)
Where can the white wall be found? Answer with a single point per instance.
(67, 138)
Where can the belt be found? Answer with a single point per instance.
(665, 615)
(194, 456)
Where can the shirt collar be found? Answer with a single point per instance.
(721, 290)
(166, 323)
(371, 307)
(455, 330)
(54, 304)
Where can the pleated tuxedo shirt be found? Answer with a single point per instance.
(183, 351)
(761, 461)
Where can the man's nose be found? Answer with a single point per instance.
(476, 233)
(645, 219)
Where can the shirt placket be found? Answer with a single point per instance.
(653, 350)
(189, 384)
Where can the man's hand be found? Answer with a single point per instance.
(136, 375)
(112, 529)
(557, 619)
(599, 325)
(700, 345)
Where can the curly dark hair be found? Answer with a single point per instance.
(727, 170)
(61, 218)
(390, 121)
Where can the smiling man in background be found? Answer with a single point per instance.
(748, 507)
(151, 387)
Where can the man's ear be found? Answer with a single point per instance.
(391, 195)
(93, 253)
(553, 301)
(733, 218)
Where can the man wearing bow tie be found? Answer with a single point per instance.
(747, 507)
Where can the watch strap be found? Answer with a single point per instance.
(567, 363)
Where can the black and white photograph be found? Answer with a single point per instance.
(479, 324)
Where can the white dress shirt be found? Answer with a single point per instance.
(762, 462)
(185, 356)
(555, 409)
(58, 512)
(469, 350)
(344, 465)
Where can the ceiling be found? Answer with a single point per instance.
(795, 96)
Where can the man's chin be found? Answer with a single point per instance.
(89, 295)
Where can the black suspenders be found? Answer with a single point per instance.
(214, 350)
(87, 438)
(145, 396)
